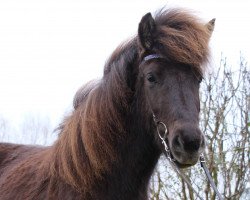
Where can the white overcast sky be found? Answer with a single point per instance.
(49, 48)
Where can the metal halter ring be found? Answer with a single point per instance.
(165, 132)
(163, 141)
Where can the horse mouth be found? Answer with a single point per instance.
(182, 165)
(178, 164)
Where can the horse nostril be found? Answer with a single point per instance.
(178, 143)
(188, 140)
(193, 145)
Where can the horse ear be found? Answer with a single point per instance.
(210, 26)
(146, 31)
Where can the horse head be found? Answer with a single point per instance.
(172, 54)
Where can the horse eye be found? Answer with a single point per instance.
(151, 78)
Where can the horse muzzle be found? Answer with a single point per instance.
(186, 145)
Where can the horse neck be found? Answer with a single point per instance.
(102, 137)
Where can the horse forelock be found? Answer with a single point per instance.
(182, 37)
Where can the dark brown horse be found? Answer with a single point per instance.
(108, 147)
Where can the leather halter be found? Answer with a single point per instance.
(152, 56)
(167, 152)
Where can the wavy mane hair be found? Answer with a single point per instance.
(109, 120)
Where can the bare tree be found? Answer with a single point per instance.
(33, 129)
(36, 129)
